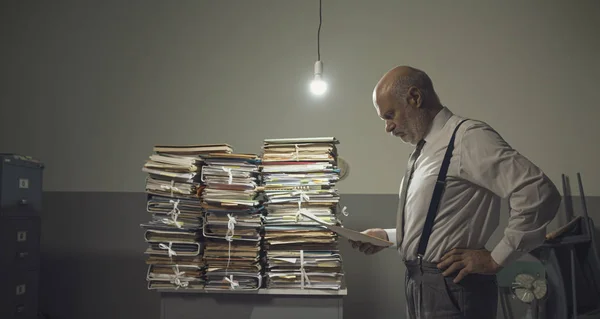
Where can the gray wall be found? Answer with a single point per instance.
(90, 87)
(93, 264)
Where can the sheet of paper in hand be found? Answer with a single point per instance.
(349, 233)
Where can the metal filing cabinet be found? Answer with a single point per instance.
(20, 213)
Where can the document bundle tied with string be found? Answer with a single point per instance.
(299, 176)
(232, 221)
(173, 234)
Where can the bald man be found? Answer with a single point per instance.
(450, 198)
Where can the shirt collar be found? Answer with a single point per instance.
(438, 123)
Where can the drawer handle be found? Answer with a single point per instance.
(20, 308)
(21, 289)
(23, 202)
(22, 236)
(23, 255)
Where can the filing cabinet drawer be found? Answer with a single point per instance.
(21, 186)
(19, 294)
(20, 242)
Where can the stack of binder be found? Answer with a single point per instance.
(232, 222)
(299, 175)
(173, 234)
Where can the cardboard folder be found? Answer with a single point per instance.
(349, 233)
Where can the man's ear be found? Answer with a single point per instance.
(415, 98)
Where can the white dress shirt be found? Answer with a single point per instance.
(483, 170)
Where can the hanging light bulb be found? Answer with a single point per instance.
(318, 86)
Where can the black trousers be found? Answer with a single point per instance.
(431, 295)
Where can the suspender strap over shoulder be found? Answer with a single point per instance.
(438, 190)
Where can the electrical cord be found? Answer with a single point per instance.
(319, 32)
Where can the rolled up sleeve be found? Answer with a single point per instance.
(490, 162)
(391, 233)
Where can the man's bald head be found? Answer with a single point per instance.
(404, 97)
(401, 80)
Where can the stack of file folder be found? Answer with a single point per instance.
(299, 175)
(232, 224)
(173, 234)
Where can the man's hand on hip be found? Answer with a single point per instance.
(367, 248)
(468, 262)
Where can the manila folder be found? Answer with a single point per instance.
(349, 233)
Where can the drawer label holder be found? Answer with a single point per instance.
(23, 183)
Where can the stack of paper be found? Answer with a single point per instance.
(174, 233)
(299, 176)
(232, 221)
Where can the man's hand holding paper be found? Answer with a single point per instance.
(368, 248)
(365, 237)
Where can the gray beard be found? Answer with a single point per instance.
(418, 127)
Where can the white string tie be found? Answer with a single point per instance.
(170, 187)
(303, 274)
(170, 221)
(230, 227)
(228, 170)
(229, 237)
(177, 278)
(344, 212)
(234, 283)
(168, 248)
(299, 214)
(297, 152)
(174, 213)
(303, 196)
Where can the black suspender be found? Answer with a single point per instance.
(438, 190)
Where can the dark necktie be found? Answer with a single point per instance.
(401, 205)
